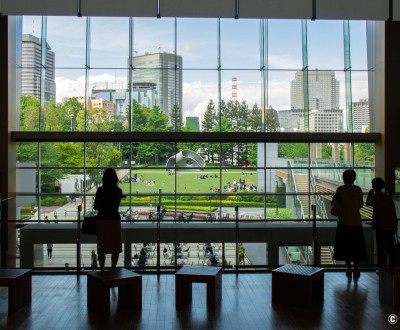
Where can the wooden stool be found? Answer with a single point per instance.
(187, 275)
(98, 290)
(298, 285)
(389, 287)
(19, 283)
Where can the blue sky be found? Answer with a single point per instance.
(197, 44)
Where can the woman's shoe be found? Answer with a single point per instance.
(356, 274)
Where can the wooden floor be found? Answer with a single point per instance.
(59, 302)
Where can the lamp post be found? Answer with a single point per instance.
(276, 191)
(71, 115)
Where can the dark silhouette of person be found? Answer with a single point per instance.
(349, 240)
(49, 250)
(384, 222)
(108, 227)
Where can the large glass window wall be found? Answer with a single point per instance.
(158, 75)
(310, 71)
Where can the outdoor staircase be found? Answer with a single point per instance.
(301, 181)
(326, 256)
(365, 211)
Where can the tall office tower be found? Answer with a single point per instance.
(323, 90)
(360, 115)
(31, 71)
(164, 70)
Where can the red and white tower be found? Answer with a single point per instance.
(234, 88)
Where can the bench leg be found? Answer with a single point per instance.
(183, 293)
(20, 293)
(130, 296)
(98, 297)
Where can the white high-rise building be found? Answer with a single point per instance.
(164, 70)
(360, 115)
(323, 90)
(324, 121)
(31, 71)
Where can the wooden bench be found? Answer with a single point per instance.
(19, 283)
(98, 290)
(187, 275)
(389, 287)
(298, 285)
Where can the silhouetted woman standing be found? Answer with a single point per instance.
(108, 227)
(349, 241)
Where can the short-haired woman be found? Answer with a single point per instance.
(108, 226)
(349, 241)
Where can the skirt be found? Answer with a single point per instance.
(108, 236)
(350, 244)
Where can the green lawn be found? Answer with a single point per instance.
(187, 181)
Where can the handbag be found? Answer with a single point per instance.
(336, 209)
(89, 224)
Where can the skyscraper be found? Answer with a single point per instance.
(32, 68)
(165, 70)
(323, 90)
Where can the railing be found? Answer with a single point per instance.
(293, 186)
(321, 210)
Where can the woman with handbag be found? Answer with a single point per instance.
(384, 222)
(108, 224)
(349, 240)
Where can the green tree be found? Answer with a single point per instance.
(293, 150)
(272, 121)
(176, 118)
(71, 108)
(255, 119)
(210, 117)
(55, 117)
(29, 113)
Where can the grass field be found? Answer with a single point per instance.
(186, 181)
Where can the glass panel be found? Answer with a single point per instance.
(358, 45)
(241, 32)
(109, 46)
(62, 154)
(200, 98)
(70, 102)
(109, 92)
(27, 152)
(241, 99)
(360, 105)
(296, 255)
(154, 36)
(197, 42)
(284, 45)
(66, 37)
(325, 45)
(27, 207)
(26, 179)
(32, 25)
